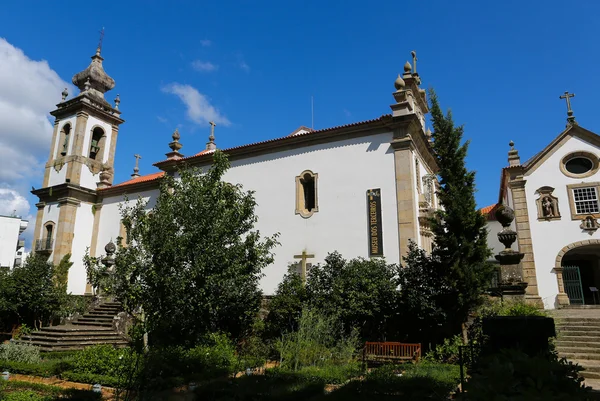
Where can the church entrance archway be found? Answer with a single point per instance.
(579, 261)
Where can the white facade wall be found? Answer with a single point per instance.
(110, 217)
(84, 224)
(549, 237)
(10, 228)
(346, 169)
(58, 177)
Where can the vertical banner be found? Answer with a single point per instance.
(375, 230)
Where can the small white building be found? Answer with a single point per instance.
(12, 248)
(363, 189)
(555, 196)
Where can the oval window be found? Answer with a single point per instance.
(579, 165)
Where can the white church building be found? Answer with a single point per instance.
(364, 189)
(555, 196)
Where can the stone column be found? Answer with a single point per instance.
(65, 231)
(37, 233)
(405, 193)
(74, 167)
(561, 298)
(517, 187)
(113, 148)
(51, 156)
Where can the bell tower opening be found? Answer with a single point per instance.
(95, 143)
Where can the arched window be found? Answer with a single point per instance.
(65, 135)
(96, 142)
(44, 244)
(306, 194)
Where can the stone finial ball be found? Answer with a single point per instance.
(505, 215)
(399, 83)
(407, 67)
(110, 247)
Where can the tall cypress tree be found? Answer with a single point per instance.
(459, 228)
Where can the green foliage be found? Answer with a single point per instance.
(285, 308)
(424, 380)
(42, 369)
(217, 355)
(30, 294)
(100, 360)
(422, 288)
(20, 390)
(197, 261)
(22, 330)
(19, 353)
(26, 395)
(360, 293)
(512, 375)
(317, 342)
(327, 374)
(447, 352)
(92, 378)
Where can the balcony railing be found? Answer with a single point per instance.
(44, 245)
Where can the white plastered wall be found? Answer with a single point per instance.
(549, 237)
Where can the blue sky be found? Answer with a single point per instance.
(254, 66)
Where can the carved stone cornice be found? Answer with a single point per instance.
(66, 190)
(40, 205)
(69, 201)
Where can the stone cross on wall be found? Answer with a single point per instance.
(567, 96)
(136, 169)
(304, 256)
(210, 145)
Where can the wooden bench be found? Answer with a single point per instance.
(391, 352)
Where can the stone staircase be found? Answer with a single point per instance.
(578, 340)
(93, 328)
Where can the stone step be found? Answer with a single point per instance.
(590, 375)
(99, 318)
(100, 313)
(576, 333)
(583, 321)
(44, 347)
(75, 329)
(577, 343)
(46, 339)
(98, 324)
(587, 338)
(577, 328)
(579, 356)
(577, 350)
(72, 334)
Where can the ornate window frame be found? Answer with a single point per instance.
(547, 200)
(587, 155)
(300, 200)
(582, 216)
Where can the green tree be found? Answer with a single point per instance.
(193, 262)
(285, 308)
(29, 294)
(361, 293)
(460, 250)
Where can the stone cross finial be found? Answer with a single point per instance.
(414, 57)
(304, 256)
(99, 48)
(175, 146)
(567, 96)
(117, 101)
(136, 169)
(210, 145)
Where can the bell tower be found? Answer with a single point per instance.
(85, 131)
(81, 160)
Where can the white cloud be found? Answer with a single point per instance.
(205, 42)
(199, 109)
(29, 89)
(161, 119)
(347, 113)
(13, 202)
(204, 66)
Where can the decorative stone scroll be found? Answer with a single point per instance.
(547, 204)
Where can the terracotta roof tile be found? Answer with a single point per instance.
(138, 180)
(489, 211)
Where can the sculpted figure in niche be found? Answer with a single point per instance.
(589, 222)
(548, 207)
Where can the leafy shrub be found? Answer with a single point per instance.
(514, 375)
(91, 378)
(42, 369)
(447, 352)
(19, 353)
(22, 330)
(328, 374)
(217, 356)
(316, 343)
(424, 380)
(99, 359)
(26, 395)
